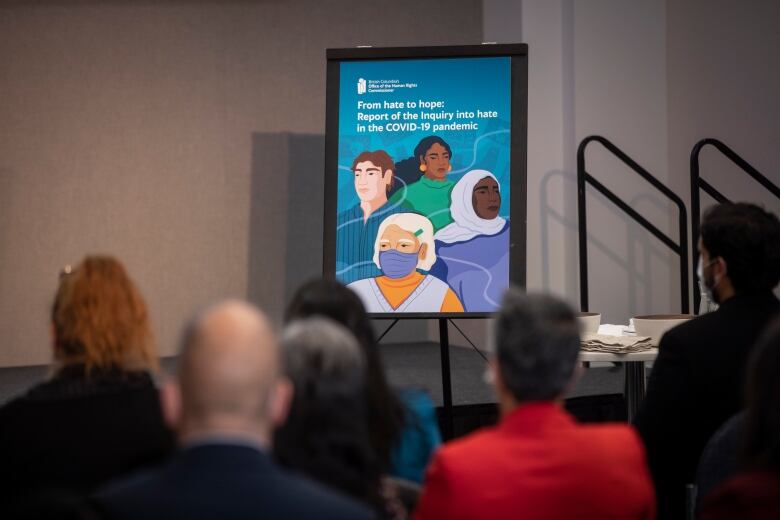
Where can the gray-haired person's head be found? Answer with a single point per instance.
(321, 348)
(537, 345)
(326, 435)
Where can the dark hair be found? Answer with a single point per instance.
(379, 158)
(762, 421)
(425, 144)
(537, 345)
(325, 435)
(382, 160)
(333, 300)
(748, 238)
(407, 171)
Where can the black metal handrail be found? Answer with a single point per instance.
(698, 183)
(584, 177)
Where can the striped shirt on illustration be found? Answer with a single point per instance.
(355, 241)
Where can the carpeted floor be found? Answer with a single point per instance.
(419, 365)
(408, 365)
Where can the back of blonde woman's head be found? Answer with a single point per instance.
(100, 318)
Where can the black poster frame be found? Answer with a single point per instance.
(518, 54)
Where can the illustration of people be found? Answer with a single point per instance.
(403, 245)
(473, 251)
(356, 228)
(430, 194)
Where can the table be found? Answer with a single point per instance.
(634, 370)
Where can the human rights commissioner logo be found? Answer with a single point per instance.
(381, 85)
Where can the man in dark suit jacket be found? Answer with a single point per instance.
(697, 379)
(538, 462)
(231, 395)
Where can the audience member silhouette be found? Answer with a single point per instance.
(230, 396)
(326, 435)
(99, 415)
(538, 462)
(754, 494)
(402, 423)
(697, 379)
(720, 458)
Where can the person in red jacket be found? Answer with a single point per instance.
(538, 462)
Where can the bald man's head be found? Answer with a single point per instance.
(229, 371)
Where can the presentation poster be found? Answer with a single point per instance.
(423, 197)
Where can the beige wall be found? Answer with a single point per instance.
(127, 128)
(597, 67)
(724, 83)
(654, 77)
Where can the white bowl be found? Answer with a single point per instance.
(655, 325)
(589, 322)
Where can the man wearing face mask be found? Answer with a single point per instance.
(404, 244)
(697, 378)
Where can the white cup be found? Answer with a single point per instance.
(655, 325)
(589, 322)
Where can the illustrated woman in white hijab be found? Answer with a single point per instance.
(404, 245)
(473, 251)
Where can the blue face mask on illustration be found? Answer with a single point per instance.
(395, 264)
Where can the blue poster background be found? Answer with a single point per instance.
(463, 84)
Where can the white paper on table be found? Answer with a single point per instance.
(612, 330)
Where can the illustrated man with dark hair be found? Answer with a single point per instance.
(538, 462)
(697, 380)
(356, 227)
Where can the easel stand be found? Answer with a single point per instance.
(446, 382)
(448, 425)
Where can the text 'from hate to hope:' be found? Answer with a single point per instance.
(411, 116)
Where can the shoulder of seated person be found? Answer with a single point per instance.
(699, 324)
(612, 430)
(470, 445)
(608, 441)
(316, 494)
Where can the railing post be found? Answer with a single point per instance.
(697, 183)
(695, 215)
(582, 219)
(583, 177)
(685, 304)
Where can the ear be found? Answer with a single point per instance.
(423, 253)
(495, 378)
(53, 339)
(722, 268)
(279, 402)
(576, 374)
(170, 402)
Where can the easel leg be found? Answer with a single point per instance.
(635, 386)
(446, 384)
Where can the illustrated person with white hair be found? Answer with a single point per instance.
(473, 252)
(404, 244)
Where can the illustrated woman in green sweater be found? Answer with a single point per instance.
(430, 195)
